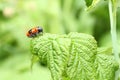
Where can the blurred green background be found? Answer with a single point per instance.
(55, 16)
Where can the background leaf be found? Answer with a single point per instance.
(93, 4)
(88, 2)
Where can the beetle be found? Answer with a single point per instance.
(34, 32)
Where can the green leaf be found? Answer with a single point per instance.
(105, 50)
(74, 57)
(33, 60)
(88, 2)
(82, 56)
(91, 5)
(105, 65)
(53, 50)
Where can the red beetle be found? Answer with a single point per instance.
(34, 32)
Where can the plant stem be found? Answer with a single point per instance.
(112, 14)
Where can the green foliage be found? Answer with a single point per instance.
(7, 46)
(88, 2)
(74, 57)
(91, 3)
(55, 16)
(17, 67)
(106, 64)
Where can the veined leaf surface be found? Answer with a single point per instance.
(74, 57)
